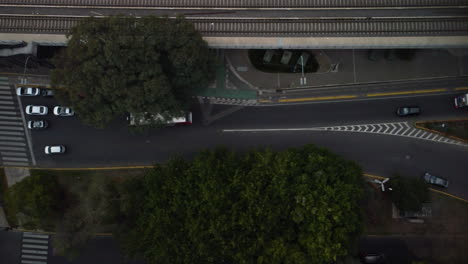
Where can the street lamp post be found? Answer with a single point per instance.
(303, 78)
(25, 80)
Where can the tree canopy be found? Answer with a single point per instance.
(118, 64)
(295, 206)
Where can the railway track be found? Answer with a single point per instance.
(268, 27)
(239, 3)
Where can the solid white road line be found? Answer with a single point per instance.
(23, 261)
(33, 257)
(13, 148)
(12, 133)
(33, 235)
(13, 143)
(10, 117)
(35, 241)
(35, 246)
(37, 252)
(12, 138)
(11, 163)
(11, 123)
(9, 153)
(14, 159)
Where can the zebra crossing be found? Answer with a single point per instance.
(13, 141)
(34, 248)
(403, 129)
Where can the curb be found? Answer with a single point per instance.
(419, 126)
(230, 101)
(78, 169)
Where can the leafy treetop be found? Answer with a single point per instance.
(118, 64)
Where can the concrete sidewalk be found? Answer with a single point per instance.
(355, 67)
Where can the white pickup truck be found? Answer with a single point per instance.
(146, 118)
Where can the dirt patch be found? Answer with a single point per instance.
(457, 129)
(442, 238)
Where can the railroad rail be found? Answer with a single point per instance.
(268, 27)
(239, 3)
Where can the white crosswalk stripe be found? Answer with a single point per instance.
(34, 248)
(13, 142)
(403, 129)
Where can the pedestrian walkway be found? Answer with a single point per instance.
(13, 142)
(34, 248)
(403, 129)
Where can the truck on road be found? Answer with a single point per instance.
(461, 101)
(137, 119)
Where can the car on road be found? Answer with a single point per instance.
(435, 180)
(63, 111)
(47, 92)
(373, 258)
(28, 91)
(37, 110)
(408, 110)
(37, 124)
(56, 149)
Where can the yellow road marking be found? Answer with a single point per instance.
(449, 195)
(318, 98)
(374, 176)
(407, 92)
(264, 101)
(461, 88)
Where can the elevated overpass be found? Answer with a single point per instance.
(323, 33)
(241, 24)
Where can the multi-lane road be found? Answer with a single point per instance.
(380, 149)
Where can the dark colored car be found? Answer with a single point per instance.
(435, 180)
(47, 92)
(37, 124)
(408, 110)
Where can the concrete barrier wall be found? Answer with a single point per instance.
(288, 43)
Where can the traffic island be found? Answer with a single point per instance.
(454, 129)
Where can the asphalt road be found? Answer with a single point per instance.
(378, 154)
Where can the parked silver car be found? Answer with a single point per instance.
(37, 124)
(435, 180)
(36, 110)
(58, 149)
(28, 91)
(63, 111)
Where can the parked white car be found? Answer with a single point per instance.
(28, 91)
(37, 110)
(58, 149)
(63, 111)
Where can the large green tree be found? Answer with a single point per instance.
(118, 64)
(295, 206)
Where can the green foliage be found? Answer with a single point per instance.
(296, 206)
(39, 200)
(117, 65)
(408, 194)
